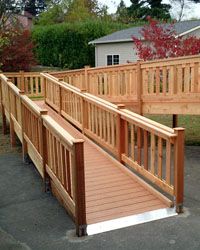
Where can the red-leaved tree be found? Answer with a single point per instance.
(161, 41)
(17, 53)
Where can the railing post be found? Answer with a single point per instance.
(79, 188)
(12, 131)
(139, 87)
(44, 151)
(42, 85)
(4, 125)
(121, 134)
(84, 113)
(174, 121)
(179, 169)
(22, 87)
(85, 83)
(4, 128)
(24, 142)
(60, 97)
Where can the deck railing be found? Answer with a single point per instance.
(151, 149)
(29, 82)
(56, 154)
(148, 85)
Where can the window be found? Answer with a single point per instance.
(112, 59)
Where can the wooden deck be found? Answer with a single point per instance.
(112, 191)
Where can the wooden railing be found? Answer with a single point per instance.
(56, 154)
(152, 87)
(29, 82)
(151, 149)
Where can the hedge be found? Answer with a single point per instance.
(66, 45)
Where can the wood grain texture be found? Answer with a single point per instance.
(110, 192)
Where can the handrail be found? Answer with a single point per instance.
(140, 84)
(44, 140)
(62, 133)
(130, 137)
(164, 130)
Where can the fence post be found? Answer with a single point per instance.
(24, 143)
(84, 113)
(4, 128)
(79, 188)
(60, 97)
(22, 87)
(179, 169)
(4, 125)
(44, 151)
(85, 83)
(42, 86)
(12, 131)
(122, 134)
(139, 87)
(45, 88)
(174, 121)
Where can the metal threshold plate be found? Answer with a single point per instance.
(128, 221)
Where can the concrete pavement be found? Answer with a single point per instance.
(32, 219)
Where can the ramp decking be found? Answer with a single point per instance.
(111, 190)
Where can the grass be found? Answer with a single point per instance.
(191, 123)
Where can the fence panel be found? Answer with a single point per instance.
(72, 107)
(150, 152)
(52, 93)
(29, 82)
(175, 78)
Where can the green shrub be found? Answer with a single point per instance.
(66, 45)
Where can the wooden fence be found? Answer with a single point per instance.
(151, 149)
(28, 82)
(170, 86)
(55, 153)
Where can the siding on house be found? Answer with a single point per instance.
(124, 50)
(120, 42)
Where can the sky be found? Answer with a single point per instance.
(192, 10)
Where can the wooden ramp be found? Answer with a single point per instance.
(112, 191)
(100, 193)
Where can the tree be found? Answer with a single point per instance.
(180, 7)
(17, 54)
(72, 11)
(137, 10)
(34, 7)
(140, 9)
(158, 10)
(161, 41)
(7, 10)
(122, 13)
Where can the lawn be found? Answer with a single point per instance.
(191, 123)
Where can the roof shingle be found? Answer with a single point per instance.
(126, 34)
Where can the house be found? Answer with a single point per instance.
(25, 19)
(118, 47)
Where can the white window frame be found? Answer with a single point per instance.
(112, 59)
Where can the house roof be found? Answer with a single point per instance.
(126, 34)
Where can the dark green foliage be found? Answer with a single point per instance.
(140, 9)
(66, 45)
(34, 6)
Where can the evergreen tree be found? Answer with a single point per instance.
(34, 7)
(122, 13)
(137, 10)
(140, 9)
(158, 10)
